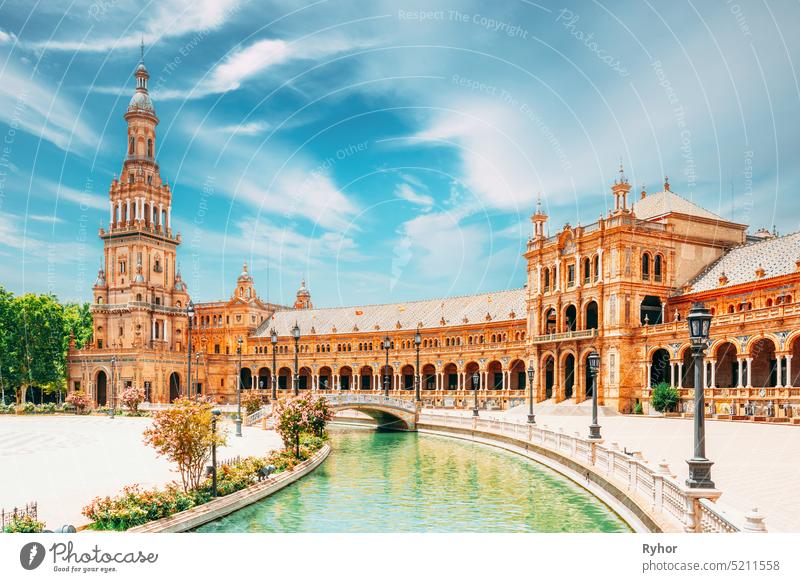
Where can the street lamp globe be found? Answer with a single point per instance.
(475, 379)
(594, 362)
(190, 309)
(296, 331)
(531, 374)
(417, 338)
(273, 336)
(699, 319)
(239, 344)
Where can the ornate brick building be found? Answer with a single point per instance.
(621, 285)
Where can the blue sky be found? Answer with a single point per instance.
(385, 151)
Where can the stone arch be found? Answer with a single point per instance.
(174, 386)
(101, 383)
(325, 378)
(365, 381)
(469, 369)
(284, 378)
(450, 372)
(346, 378)
(407, 377)
(567, 370)
(660, 367)
(549, 321)
(650, 310)
(264, 378)
(517, 375)
(764, 366)
(570, 318)
(494, 375)
(548, 372)
(428, 377)
(304, 378)
(590, 320)
(245, 378)
(727, 367)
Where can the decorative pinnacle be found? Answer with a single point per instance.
(666, 183)
(142, 47)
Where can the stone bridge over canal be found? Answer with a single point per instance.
(388, 412)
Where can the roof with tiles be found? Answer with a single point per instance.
(751, 262)
(663, 203)
(394, 317)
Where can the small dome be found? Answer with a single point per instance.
(141, 68)
(245, 276)
(303, 291)
(141, 102)
(101, 278)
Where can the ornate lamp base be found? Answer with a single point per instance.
(594, 431)
(531, 419)
(699, 474)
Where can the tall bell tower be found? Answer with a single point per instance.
(139, 297)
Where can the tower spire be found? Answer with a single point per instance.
(142, 48)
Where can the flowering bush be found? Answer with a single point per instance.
(232, 477)
(78, 399)
(24, 524)
(182, 433)
(251, 401)
(135, 507)
(302, 414)
(132, 397)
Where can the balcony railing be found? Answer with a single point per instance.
(564, 336)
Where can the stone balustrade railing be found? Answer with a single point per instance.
(564, 336)
(693, 510)
(339, 399)
(262, 412)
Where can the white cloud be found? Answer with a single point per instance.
(40, 110)
(249, 128)
(300, 192)
(83, 199)
(46, 218)
(406, 192)
(251, 61)
(7, 37)
(165, 19)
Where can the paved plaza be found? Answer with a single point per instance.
(63, 462)
(755, 465)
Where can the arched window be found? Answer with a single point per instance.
(131, 145)
(646, 267)
(596, 267)
(149, 148)
(587, 270)
(547, 280)
(658, 268)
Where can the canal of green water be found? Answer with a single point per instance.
(409, 482)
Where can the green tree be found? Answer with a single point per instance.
(37, 343)
(78, 323)
(664, 397)
(6, 335)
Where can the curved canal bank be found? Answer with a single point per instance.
(407, 482)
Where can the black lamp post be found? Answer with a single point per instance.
(238, 420)
(111, 396)
(196, 373)
(214, 417)
(594, 368)
(190, 316)
(531, 375)
(476, 378)
(386, 344)
(417, 344)
(273, 336)
(296, 379)
(699, 466)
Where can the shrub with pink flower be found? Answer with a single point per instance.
(302, 414)
(78, 399)
(132, 397)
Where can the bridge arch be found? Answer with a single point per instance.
(388, 412)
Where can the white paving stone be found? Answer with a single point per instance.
(63, 462)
